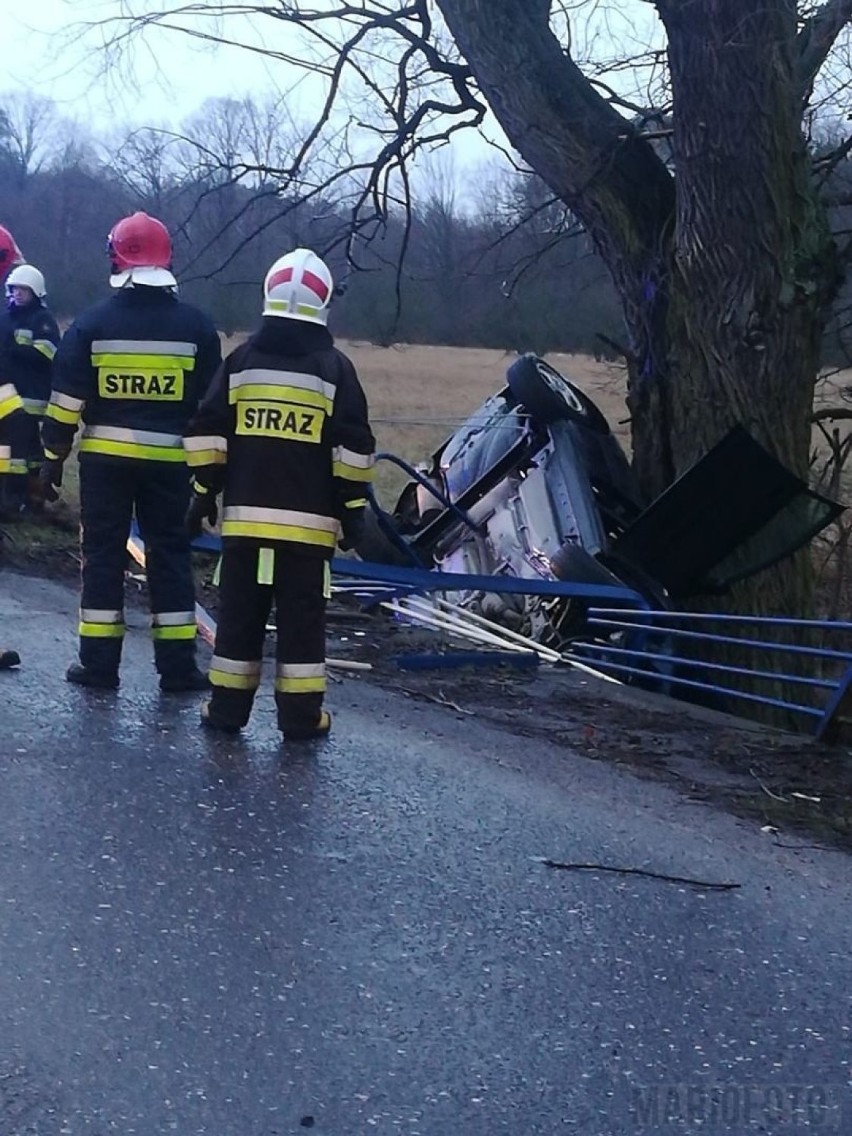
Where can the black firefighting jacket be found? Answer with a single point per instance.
(28, 341)
(284, 431)
(134, 368)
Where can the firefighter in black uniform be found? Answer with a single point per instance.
(284, 434)
(11, 403)
(133, 368)
(28, 341)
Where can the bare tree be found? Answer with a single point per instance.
(694, 180)
(232, 152)
(31, 129)
(217, 136)
(270, 136)
(441, 246)
(148, 162)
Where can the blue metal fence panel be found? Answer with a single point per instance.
(642, 645)
(427, 580)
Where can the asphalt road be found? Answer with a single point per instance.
(202, 935)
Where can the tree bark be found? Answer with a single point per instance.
(754, 266)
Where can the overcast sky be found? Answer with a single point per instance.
(171, 74)
(164, 79)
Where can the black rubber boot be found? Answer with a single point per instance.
(85, 676)
(304, 733)
(212, 722)
(9, 659)
(184, 681)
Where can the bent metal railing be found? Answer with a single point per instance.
(400, 580)
(673, 651)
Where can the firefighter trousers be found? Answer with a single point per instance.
(22, 435)
(158, 493)
(250, 579)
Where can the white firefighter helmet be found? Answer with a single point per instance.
(27, 276)
(298, 286)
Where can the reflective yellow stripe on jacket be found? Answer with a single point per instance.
(351, 465)
(117, 441)
(207, 449)
(280, 524)
(45, 347)
(281, 386)
(64, 408)
(142, 369)
(10, 400)
(121, 353)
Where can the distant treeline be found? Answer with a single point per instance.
(463, 281)
(490, 260)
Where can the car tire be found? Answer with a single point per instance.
(549, 396)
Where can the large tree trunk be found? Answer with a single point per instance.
(754, 265)
(725, 269)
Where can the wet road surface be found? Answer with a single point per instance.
(207, 935)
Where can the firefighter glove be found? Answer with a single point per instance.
(352, 524)
(50, 478)
(201, 508)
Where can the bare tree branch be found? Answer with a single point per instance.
(831, 413)
(817, 38)
(429, 98)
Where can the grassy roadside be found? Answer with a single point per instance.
(45, 546)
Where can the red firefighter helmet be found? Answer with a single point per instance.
(140, 252)
(10, 254)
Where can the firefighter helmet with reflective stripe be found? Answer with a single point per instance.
(26, 276)
(140, 252)
(10, 254)
(298, 286)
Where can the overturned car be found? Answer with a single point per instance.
(534, 485)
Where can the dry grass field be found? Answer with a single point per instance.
(416, 393)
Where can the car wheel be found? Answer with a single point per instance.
(549, 396)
